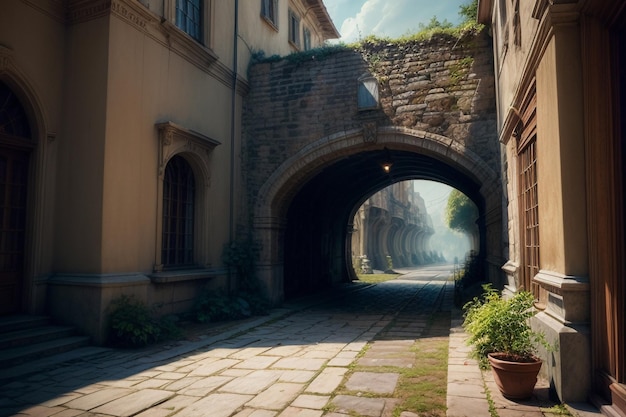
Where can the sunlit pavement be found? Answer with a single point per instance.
(287, 364)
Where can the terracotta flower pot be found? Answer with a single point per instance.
(514, 379)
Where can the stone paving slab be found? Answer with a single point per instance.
(349, 404)
(303, 364)
(98, 398)
(315, 402)
(374, 382)
(467, 407)
(219, 404)
(277, 396)
(134, 403)
(257, 362)
(204, 386)
(300, 412)
(169, 407)
(253, 383)
(327, 381)
(251, 412)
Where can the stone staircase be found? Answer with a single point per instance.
(31, 340)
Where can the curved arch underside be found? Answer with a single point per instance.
(316, 249)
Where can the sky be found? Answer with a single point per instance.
(356, 19)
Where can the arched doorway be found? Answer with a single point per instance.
(304, 210)
(16, 144)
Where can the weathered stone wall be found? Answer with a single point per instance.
(443, 85)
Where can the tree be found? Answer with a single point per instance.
(469, 11)
(461, 213)
(434, 24)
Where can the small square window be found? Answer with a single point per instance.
(269, 11)
(294, 28)
(367, 93)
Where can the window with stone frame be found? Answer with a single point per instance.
(178, 214)
(269, 11)
(306, 39)
(529, 213)
(189, 17)
(294, 28)
(503, 28)
(516, 23)
(529, 198)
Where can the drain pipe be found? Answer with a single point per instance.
(233, 126)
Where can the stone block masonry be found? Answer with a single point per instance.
(443, 85)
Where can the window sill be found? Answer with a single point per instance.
(168, 277)
(270, 23)
(294, 45)
(188, 47)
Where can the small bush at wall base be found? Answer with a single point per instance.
(132, 324)
(216, 306)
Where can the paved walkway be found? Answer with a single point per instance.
(297, 362)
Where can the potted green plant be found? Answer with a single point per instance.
(500, 335)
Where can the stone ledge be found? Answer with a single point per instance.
(99, 280)
(568, 298)
(185, 275)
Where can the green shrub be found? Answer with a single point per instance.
(132, 324)
(496, 324)
(216, 306)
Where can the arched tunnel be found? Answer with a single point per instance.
(317, 236)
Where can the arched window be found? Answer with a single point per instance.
(178, 214)
(13, 119)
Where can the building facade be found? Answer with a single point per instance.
(393, 222)
(120, 126)
(559, 69)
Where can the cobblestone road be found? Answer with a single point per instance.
(287, 364)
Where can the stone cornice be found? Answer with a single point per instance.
(568, 296)
(134, 13)
(328, 27)
(78, 11)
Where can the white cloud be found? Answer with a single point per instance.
(393, 18)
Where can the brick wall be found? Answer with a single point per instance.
(443, 85)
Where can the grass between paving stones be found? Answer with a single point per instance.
(376, 278)
(422, 388)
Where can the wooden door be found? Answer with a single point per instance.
(15, 147)
(13, 187)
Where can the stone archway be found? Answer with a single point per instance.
(420, 155)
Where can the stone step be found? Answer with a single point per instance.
(35, 366)
(21, 322)
(21, 354)
(31, 336)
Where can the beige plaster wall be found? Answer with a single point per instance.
(81, 149)
(560, 160)
(511, 61)
(149, 84)
(258, 35)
